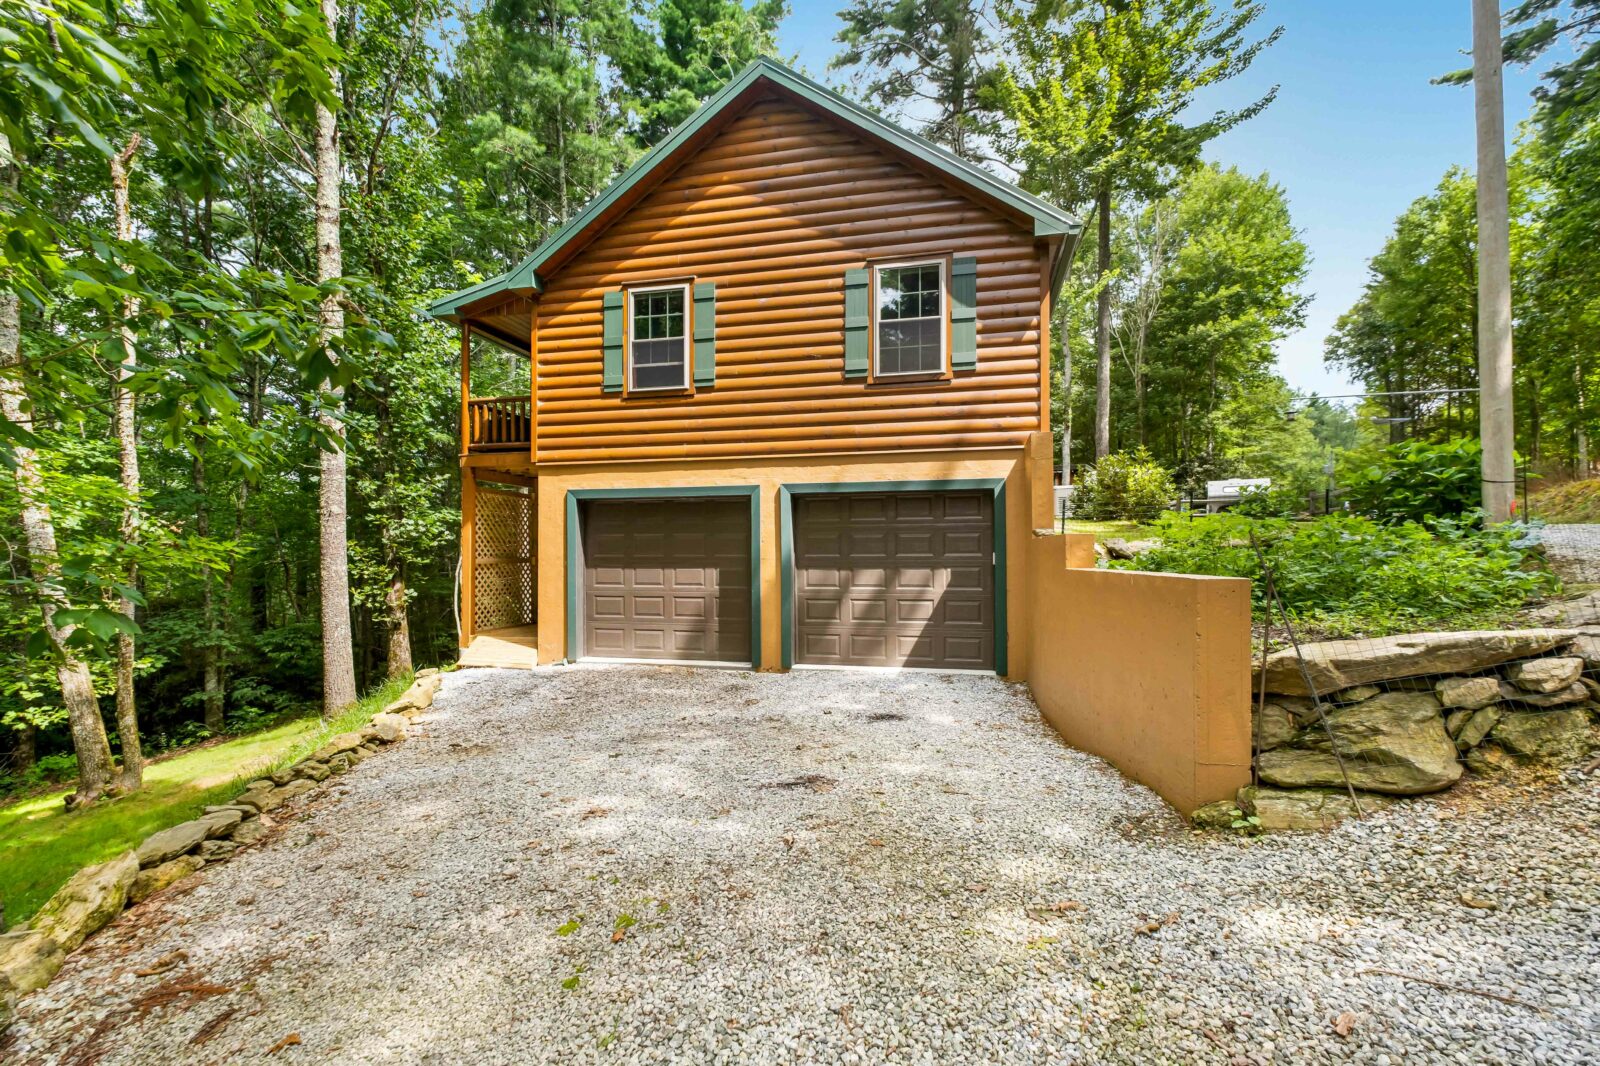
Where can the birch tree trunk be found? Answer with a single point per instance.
(338, 659)
(1102, 328)
(124, 417)
(77, 689)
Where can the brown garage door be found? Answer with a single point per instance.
(667, 579)
(895, 579)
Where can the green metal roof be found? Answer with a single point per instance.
(524, 278)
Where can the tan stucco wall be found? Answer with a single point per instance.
(1148, 671)
(554, 483)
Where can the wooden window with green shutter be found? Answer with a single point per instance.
(857, 321)
(705, 334)
(611, 342)
(963, 313)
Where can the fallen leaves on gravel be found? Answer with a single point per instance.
(1345, 1023)
(163, 964)
(212, 1027)
(1149, 928)
(815, 782)
(288, 1041)
(187, 987)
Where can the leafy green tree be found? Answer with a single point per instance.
(682, 52)
(1100, 95)
(527, 131)
(923, 56)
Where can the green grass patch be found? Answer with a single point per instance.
(42, 844)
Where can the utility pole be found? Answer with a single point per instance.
(1494, 266)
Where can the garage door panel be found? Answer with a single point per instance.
(667, 579)
(969, 505)
(915, 588)
(867, 508)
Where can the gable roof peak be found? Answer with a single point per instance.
(1048, 220)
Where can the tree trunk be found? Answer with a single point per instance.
(124, 416)
(399, 622)
(210, 650)
(77, 688)
(338, 659)
(1102, 328)
(26, 752)
(1496, 415)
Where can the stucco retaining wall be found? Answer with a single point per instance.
(1148, 671)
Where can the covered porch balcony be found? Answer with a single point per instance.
(498, 423)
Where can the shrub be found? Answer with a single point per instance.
(1344, 573)
(1415, 480)
(1127, 485)
(1276, 501)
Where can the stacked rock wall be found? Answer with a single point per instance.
(1411, 714)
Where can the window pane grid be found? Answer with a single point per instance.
(910, 319)
(658, 342)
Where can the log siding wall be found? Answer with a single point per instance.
(774, 209)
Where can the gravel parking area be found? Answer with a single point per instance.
(1573, 550)
(635, 864)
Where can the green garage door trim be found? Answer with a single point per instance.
(786, 494)
(575, 550)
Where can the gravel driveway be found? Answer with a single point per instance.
(665, 865)
(1573, 550)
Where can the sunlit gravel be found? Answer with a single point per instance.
(636, 864)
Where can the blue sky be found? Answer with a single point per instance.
(1355, 134)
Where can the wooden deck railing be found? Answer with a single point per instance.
(499, 423)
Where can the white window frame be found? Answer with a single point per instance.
(688, 331)
(943, 317)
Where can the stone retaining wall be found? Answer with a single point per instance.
(1409, 715)
(32, 953)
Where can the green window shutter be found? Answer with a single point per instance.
(963, 313)
(611, 342)
(705, 334)
(857, 321)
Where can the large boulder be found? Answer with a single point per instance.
(1469, 693)
(1477, 727)
(1580, 611)
(1275, 726)
(1305, 808)
(91, 898)
(1545, 675)
(1340, 664)
(28, 959)
(388, 727)
(1547, 736)
(1586, 646)
(1576, 692)
(153, 880)
(1220, 814)
(338, 745)
(186, 836)
(1393, 743)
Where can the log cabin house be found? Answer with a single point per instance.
(788, 404)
